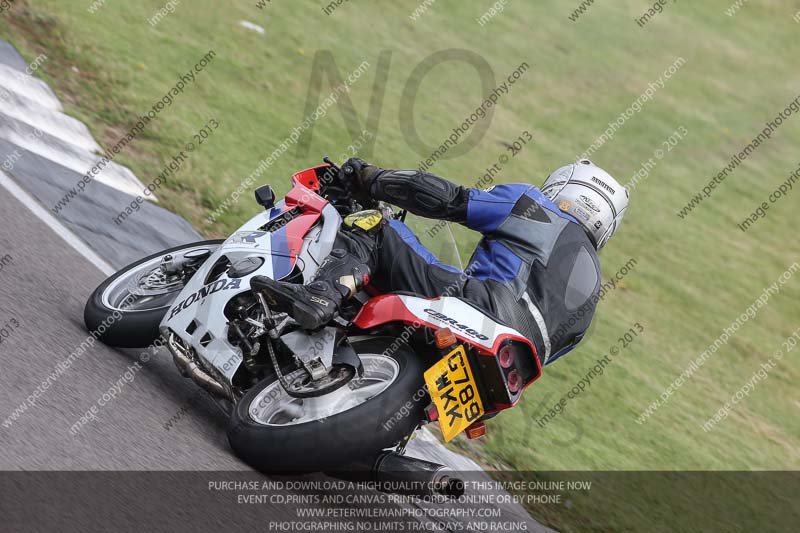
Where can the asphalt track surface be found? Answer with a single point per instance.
(145, 458)
(44, 289)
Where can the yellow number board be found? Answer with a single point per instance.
(454, 392)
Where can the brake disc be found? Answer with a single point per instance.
(155, 282)
(302, 386)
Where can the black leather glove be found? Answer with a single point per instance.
(357, 175)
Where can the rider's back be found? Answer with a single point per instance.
(540, 263)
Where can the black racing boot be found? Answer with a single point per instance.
(341, 275)
(312, 305)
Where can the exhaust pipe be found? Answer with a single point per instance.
(188, 368)
(399, 474)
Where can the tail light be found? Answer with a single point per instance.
(517, 365)
(506, 372)
(506, 356)
(514, 382)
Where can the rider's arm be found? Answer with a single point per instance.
(421, 193)
(433, 197)
(430, 196)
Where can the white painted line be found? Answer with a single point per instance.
(28, 86)
(60, 230)
(70, 156)
(57, 124)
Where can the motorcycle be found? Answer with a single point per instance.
(354, 391)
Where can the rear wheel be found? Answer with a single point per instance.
(126, 309)
(273, 431)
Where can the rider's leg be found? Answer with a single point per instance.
(341, 274)
(404, 264)
(389, 256)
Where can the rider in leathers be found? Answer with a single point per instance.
(536, 267)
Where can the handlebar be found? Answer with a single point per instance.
(335, 189)
(333, 165)
(344, 186)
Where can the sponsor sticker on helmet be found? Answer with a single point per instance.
(582, 214)
(590, 203)
(564, 205)
(603, 184)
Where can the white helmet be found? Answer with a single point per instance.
(591, 195)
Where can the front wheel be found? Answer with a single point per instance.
(126, 309)
(273, 431)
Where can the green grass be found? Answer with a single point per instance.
(693, 277)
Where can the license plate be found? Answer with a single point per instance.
(452, 387)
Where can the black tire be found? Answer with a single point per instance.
(357, 435)
(133, 329)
